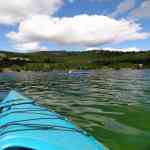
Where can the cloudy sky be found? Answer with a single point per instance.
(32, 25)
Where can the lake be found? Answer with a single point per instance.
(112, 105)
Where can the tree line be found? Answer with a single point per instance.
(45, 61)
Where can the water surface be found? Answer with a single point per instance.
(112, 105)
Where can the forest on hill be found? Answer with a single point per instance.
(62, 60)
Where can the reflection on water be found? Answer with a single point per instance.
(113, 106)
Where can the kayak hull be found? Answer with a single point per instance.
(26, 124)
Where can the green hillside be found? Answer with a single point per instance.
(45, 61)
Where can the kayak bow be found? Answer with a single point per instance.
(25, 125)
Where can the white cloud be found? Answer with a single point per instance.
(93, 48)
(143, 11)
(123, 7)
(14, 11)
(82, 30)
(130, 49)
(30, 47)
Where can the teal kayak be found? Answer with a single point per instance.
(25, 125)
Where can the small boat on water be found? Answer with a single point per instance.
(25, 125)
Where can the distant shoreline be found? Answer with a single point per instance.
(9, 70)
(62, 60)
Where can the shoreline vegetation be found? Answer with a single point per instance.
(62, 60)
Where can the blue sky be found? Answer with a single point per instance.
(73, 25)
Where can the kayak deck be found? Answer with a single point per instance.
(28, 125)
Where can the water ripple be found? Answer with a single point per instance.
(111, 105)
